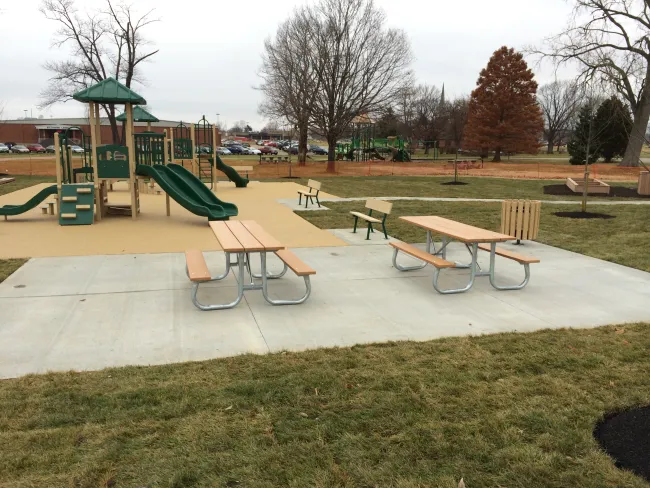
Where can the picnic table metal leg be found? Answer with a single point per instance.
(240, 289)
(436, 275)
(430, 243)
(272, 276)
(405, 268)
(493, 248)
(281, 302)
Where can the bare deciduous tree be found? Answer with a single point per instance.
(560, 102)
(456, 119)
(291, 73)
(609, 41)
(363, 65)
(103, 44)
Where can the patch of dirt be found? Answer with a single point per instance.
(527, 170)
(584, 215)
(625, 436)
(614, 191)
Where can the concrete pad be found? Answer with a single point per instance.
(98, 311)
(292, 203)
(358, 238)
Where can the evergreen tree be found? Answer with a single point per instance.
(613, 125)
(584, 134)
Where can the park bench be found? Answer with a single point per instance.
(314, 190)
(520, 218)
(379, 206)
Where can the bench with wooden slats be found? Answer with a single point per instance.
(312, 192)
(520, 258)
(197, 268)
(295, 263)
(379, 206)
(422, 255)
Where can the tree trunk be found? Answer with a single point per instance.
(549, 147)
(331, 153)
(302, 145)
(639, 127)
(110, 114)
(497, 155)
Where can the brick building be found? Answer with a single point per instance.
(30, 131)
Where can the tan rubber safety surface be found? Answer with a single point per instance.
(33, 234)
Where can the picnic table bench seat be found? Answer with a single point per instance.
(520, 258)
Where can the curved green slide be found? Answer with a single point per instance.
(188, 191)
(30, 204)
(229, 171)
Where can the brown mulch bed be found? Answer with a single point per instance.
(614, 191)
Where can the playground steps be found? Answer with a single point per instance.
(77, 203)
(205, 171)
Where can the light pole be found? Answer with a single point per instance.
(25, 110)
(218, 120)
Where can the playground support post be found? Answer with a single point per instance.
(193, 138)
(57, 158)
(131, 150)
(214, 158)
(99, 198)
(171, 146)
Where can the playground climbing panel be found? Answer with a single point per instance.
(77, 204)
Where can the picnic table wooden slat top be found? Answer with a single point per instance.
(456, 230)
(244, 236)
(269, 242)
(228, 241)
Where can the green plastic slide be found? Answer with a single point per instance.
(30, 204)
(188, 191)
(230, 172)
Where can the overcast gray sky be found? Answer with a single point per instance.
(210, 50)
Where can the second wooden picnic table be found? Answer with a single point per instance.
(450, 230)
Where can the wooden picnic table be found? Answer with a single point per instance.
(243, 238)
(474, 238)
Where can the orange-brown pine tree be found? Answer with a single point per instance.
(503, 110)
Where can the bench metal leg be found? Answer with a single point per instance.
(356, 219)
(299, 198)
(493, 248)
(272, 276)
(370, 229)
(282, 302)
(383, 226)
(472, 276)
(240, 290)
(405, 268)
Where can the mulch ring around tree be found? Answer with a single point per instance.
(454, 183)
(614, 191)
(584, 215)
(625, 437)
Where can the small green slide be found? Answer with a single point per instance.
(30, 204)
(190, 192)
(229, 171)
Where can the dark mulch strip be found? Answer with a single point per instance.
(454, 183)
(614, 191)
(584, 215)
(625, 436)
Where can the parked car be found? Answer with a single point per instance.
(236, 149)
(318, 150)
(49, 149)
(10, 144)
(252, 150)
(3, 148)
(268, 150)
(37, 148)
(292, 149)
(77, 149)
(272, 143)
(223, 151)
(19, 149)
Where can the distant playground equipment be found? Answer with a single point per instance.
(195, 147)
(364, 146)
(82, 192)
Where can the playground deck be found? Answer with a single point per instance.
(33, 234)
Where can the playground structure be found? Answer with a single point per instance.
(82, 192)
(365, 146)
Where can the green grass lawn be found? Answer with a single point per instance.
(509, 410)
(622, 240)
(431, 186)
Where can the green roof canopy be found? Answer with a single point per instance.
(109, 91)
(139, 115)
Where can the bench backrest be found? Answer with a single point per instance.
(379, 206)
(314, 184)
(520, 218)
